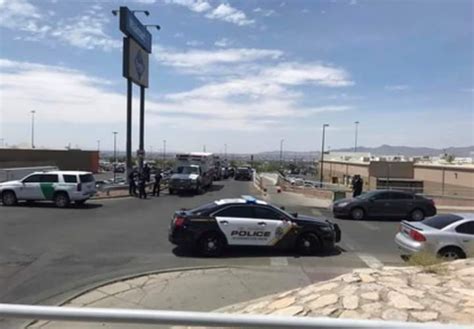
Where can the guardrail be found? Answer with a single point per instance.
(199, 318)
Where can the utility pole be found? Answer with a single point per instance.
(281, 152)
(33, 129)
(115, 155)
(98, 145)
(322, 156)
(204, 148)
(225, 152)
(164, 153)
(356, 135)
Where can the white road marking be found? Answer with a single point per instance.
(349, 246)
(279, 261)
(369, 226)
(370, 260)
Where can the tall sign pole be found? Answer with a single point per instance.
(136, 48)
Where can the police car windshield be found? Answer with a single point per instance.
(204, 208)
(187, 170)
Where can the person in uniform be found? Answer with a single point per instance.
(132, 185)
(156, 185)
(142, 185)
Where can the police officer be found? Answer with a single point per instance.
(146, 172)
(132, 186)
(156, 185)
(142, 186)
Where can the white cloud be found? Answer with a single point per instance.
(223, 43)
(264, 12)
(198, 6)
(305, 11)
(20, 15)
(194, 43)
(203, 58)
(229, 14)
(353, 2)
(397, 87)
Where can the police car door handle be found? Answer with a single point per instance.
(262, 223)
(224, 222)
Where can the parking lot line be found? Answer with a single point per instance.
(370, 261)
(279, 261)
(369, 226)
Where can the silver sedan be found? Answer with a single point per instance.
(449, 236)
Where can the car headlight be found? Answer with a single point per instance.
(342, 204)
(326, 228)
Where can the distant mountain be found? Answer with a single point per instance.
(412, 151)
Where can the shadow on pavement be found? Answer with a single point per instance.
(189, 194)
(373, 219)
(52, 205)
(246, 252)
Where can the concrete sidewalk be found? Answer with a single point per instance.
(192, 290)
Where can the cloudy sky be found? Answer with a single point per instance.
(242, 73)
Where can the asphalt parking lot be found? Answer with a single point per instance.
(48, 254)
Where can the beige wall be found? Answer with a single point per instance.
(456, 181)
(395, 169)
(339, 169)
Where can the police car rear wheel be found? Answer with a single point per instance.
(61, 200)
(9, 198)
(210, 244)
(308, 244)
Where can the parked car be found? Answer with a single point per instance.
(385, 203)
(61, 187)
(449, 236)
(243, 173)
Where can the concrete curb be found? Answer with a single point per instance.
(129, 277)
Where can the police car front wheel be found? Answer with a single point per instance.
(210, 244)
(308, 244)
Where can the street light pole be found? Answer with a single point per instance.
(33, 129)
(281, 152)
(356, 135)
(115, 155)
(225, 152)
(98, 145)
(164, 153)
(322, 156)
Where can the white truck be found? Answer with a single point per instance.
(193, 172)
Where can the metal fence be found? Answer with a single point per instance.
(199, 318)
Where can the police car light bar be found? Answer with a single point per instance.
(249, 199)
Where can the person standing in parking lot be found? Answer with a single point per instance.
(357, 185)
(132, 186)
(142, 186)
(146, 172)
(156, 185)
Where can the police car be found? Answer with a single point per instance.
(62, 187)
(247, 221)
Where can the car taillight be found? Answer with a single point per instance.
(417, 236)
(79, 187)
(179, 222)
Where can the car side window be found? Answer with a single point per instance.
(266, 213)
(382, 196)
(32, 179)
(466, 228)
(70, 178)
(401, 196)
(236, 211)
(49, 178)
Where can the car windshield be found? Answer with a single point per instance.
(187, 170)
(367, 195)
(441, 221)
(206, 208)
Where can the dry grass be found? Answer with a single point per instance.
(428, 262)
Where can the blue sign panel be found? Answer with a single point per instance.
(132, 27)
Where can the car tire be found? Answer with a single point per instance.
(357, 213)
(451, 253)
(308, 244)
(417, 215)
(210, 244)
(61, 200)
(9, 198)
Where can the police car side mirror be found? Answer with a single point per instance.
(295, 214)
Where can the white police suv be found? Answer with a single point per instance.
(62, 187)
(247, 221)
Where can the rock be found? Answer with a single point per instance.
(327, 311)
(307, 299)
(327, 286)
(353, 315)
(465, 292)
(442, 308)
(366, 278)
(324, 300)
(466, 272)
(394, 315)
(350, 302)
(253, 307)
(282, 303)
(423, 279)
(289, 311)
(443, 297)
(371, 295)
(424, 316)
(409, 291)
(365, 271)
(372, 308)
(401, 301)
(349, 278)
(462, 318)
(348, 290)
(392, 281)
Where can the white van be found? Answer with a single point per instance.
(62, 187)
